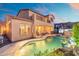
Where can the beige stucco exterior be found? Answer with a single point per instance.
(14, 32)
(36, 23)
(41, 23)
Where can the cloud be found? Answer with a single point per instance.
(74, 5)
(59, 19)
(7, 10)
(42, 9)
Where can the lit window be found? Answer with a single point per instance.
(8, 26)
(23, 29)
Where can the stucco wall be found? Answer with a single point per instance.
(39, 22)
(15, 30)
(16, 21)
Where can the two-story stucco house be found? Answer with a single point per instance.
(28, 24)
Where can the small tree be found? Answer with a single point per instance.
(75, 34)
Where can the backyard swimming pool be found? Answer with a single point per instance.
(45, 46)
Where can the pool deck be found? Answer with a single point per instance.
(10, 49)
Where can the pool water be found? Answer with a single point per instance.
(34, 47)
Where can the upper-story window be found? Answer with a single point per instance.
(31, 17)
(51, 19)
(24, 15)
(48, 21)
(39, 18)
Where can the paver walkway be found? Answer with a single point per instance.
(10, 49)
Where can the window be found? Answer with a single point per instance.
(8, 26)
(48, 21)
(31, 17)
(23, 29)
(52, 19)
(39, 18)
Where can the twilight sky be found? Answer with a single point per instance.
(63, 12)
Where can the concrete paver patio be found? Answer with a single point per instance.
(10, 49)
